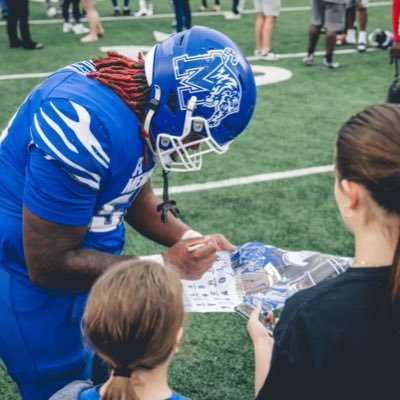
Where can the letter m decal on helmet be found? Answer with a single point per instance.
(211, 79)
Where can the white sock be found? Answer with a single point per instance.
(351, 35)
(362, 37)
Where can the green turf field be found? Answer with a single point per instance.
(294, 127)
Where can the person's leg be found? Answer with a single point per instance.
(317, 21)
(268, 29)
(313, 37)
(65, 10)
(24, 24)
(258, 32)
(350, 24)
(76, 12)
(235, 4)
(94, 21)
(362, 20)
(178, 7)
(12, 20)
(187, 12)
(335, 15)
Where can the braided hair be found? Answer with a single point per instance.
(126, 77)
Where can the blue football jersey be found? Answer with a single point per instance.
(72, 154)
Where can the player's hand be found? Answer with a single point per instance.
(257, 330)
(221, 242)
(193, 257)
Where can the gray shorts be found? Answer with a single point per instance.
(268, 7)
(330, 15)
(352, 3)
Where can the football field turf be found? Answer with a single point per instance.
(294, 127)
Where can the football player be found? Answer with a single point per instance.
(76, 161)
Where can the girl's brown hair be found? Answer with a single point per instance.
(132, 319)
(368, 152)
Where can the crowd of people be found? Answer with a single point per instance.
(76, 162)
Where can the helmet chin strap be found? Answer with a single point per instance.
(167, 205)
(153, 108)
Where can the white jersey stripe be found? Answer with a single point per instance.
(58, 131)
(95, 177)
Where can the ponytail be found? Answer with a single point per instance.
(120, 388)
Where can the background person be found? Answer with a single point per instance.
(79, 154)
(18, 17)
(340, 338)
(330, 15)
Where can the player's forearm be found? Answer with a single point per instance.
(74, 270)
(144, 218)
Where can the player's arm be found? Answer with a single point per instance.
(54, 257)
(144, 217)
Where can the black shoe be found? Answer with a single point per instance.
(16, 44)
(33, 46)
(127, 12)
(117, 13)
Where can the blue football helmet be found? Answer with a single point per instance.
(203, 95)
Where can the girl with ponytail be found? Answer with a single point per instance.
(134, 320)
(341, 338)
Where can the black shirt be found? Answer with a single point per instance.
(334, 341)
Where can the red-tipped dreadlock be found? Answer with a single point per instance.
(126, 77)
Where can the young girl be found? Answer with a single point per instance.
(340, 339)
(133, 319)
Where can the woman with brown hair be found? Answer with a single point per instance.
(341, 338)
(134, 320)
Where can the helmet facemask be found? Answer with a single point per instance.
(185, 153)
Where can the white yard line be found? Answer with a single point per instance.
(247, 180)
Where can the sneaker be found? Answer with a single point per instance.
(89, 38)
(217, 8)
(141, 13)
(308, 60)
(330, 65)
(341, 39)
(117, 13)
(202, 8)
(51, 12)
(126, 12)
(270, 56)
(33, 46)
(362, 47)
(231, 15)
(257, 52)
(68, 27)
(79, 29)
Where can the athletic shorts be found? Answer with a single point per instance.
(270, 8)
(352, 3)
(330, 15)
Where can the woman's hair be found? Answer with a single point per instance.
(368, 152)
(132, 319)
